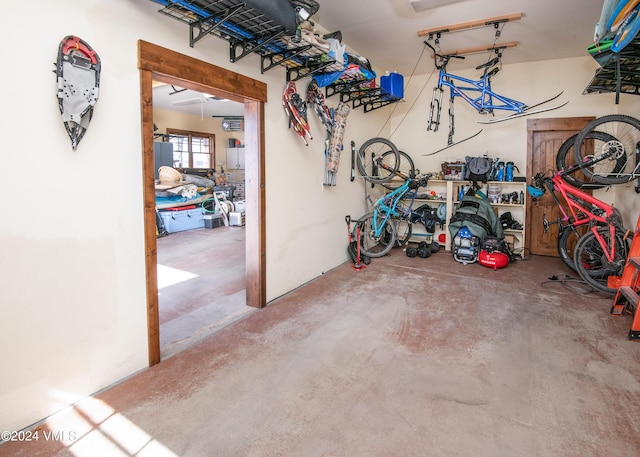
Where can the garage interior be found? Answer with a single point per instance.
(269, 341)
(389, 360)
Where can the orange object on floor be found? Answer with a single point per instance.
(627, 298)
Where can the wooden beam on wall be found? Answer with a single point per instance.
(471, 24)
(491, 47)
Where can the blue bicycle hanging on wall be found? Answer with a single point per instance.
(477, 93)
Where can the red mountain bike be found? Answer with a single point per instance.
(593, 228)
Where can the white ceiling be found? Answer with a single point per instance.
(385, 32)
(177, 99)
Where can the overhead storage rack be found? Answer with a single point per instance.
(361, 94)
(248, 30)
(618, 73)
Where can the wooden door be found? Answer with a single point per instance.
(544, 138)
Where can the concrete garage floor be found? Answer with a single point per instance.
(201, 285)
(409, 357)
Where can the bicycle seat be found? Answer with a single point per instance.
(490, 63)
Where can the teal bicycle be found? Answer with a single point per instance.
(389, 224)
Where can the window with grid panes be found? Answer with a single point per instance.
(192, 149)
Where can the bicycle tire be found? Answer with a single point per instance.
(591, 264)
(621, 167)
(371, 245)
(370, 152)
(567, 240)
(565, 158)
(404, 230)
(406, 167)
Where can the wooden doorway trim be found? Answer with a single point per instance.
(161, 64)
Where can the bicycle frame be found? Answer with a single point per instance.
(387, 206)
(477, 93)
(583, 209)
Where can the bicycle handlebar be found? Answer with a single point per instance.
(421, 181)
(539, 180)
(443, 58)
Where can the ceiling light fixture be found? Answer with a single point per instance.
(423, 5)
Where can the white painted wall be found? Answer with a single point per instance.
(72, 264)
(530, 83)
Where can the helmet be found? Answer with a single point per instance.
(535, 192)
(464, 232)
(495, 259)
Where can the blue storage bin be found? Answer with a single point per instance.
(392, 86)
(177, 221)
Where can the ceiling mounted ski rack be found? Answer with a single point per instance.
(478, 49)
(492, 21)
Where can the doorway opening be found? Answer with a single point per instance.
(201, 271)
(161, 64)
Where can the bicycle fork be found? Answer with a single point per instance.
(435, 108)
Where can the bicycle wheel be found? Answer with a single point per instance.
(565, 159)
(591, 263)
(620, 166)
(403, 229)
(372, 154)
(567, 240)
(370, 244)
(406, 168)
